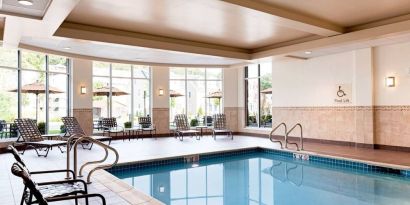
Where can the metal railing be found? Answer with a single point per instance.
(274, 129)
(287, 173)
(81, 139)
(301, 137)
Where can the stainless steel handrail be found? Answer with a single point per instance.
(273, 130)
(301, 137)
(69, 141)
(103, 166)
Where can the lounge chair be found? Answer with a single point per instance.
(183, 128)
(146, 125)
(74, 128)
(110, 127)
(32, 137)
(46, 192)
(219, 123)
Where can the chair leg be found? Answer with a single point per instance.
(23, 195)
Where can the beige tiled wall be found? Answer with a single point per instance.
(348, 124)
(232, 118)
(392, 125)
(160, 117)
(85, 118)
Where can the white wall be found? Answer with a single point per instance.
(82, 76)
(311, 82)
(230, 87)
(160, 80)
(392, 60)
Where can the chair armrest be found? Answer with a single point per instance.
(53, 171)
(63, 198)
(64, 181)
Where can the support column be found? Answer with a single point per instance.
(160, 104)
(82, 72)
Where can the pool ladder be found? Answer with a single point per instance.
(73, 141)
(286, 135)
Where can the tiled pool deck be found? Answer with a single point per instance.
(119, 193)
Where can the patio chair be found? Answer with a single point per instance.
(219, 122)
(32, 137)
(183, 128)
(74, 128)
(110, 126)
(53, 191)
(146, 125)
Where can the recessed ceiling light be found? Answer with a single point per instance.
(26, 2)
(308, 52)
(67, 48)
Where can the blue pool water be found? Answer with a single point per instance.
(264, 178)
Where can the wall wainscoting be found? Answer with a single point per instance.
(160, 118)
(85, 118)
(368, 125)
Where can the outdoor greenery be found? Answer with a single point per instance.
(127, 124)
(194, 122)
(42, 127)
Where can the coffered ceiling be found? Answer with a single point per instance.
(210, 32)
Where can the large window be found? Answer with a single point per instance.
(258, 95)
(121, 91)
(34, 85)
(196, 92)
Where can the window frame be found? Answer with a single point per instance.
(131, 77)
(205, 80)
(19, 69)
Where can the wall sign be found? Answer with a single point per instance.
(343, 94)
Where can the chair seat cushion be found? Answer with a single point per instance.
(188, 131)
(53, 190)
(48, 142)
(222, 130)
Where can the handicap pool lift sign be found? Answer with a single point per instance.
(343, 94)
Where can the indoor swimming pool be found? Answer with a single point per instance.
(266, 177)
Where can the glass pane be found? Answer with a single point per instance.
(252, 71)
(252, 102)
(8, 94)
(196, 102)
(214, 99)
(177, 73)
(33, 60)
(196, 73)
(101, 68)
(214, 74)
(100, 101)
(33, 97)
(142, 106)
(121, 70)
(266, 95)
(57, 64)
(57, 101)
(121, 100)
(177, 99)
(8, 57)
(141, 71)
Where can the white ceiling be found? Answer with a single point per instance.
(124, 52)
(37, 10)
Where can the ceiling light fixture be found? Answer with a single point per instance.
(308, 52)
(67, 48)
(26, 2)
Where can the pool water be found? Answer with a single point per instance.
(262, 178)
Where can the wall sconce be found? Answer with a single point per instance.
(390, 81)
(161, 92)
(83, 90)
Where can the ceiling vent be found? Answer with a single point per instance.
(13, 7)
